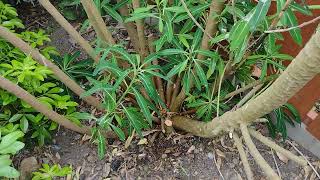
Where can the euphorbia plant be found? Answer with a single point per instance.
(198, 55)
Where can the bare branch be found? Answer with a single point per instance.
(310, 164)
(294, 27)
(70, 29)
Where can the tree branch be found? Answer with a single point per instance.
(140, 31)
(70, 29)
(294, 27)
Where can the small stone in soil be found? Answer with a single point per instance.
(115, 164)
(210, 155)
(164, 156)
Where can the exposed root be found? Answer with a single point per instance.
(275, 162)
(256, 154)
(243, 156)
(310, 164)
(277, 148)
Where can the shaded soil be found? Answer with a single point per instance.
(177, 157)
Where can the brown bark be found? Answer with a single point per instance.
(158, 80)
(36, 55)
(140, 30)
(302, 69)
(130, 27)
(211, 24)
(97, 22)
(70, 29)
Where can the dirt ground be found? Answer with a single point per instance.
(159, 157)
(155, 156)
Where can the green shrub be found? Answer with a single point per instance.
(31, 76)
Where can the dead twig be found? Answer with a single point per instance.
(310, 164)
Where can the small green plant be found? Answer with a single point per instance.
(9, 145)
(74, 67)
(50, 172)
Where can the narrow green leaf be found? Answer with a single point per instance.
(143, 105)
(292, 21)
(259, 14)
(101, 145)
(168, 52)
(119, 132)
(113, 13)
(202, 76)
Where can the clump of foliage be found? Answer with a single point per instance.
(33, 77)
(51, 172)
(9, 145)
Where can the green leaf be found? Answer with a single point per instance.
(138, 16)
(5, 169)
(294, 112)
(113, 13)
(119, 132)
(259, 14)
(219, 38)
(280, 5)
(292, 21)
(196, 10)
(302, 9)
(134, 119)
(177, 69)
(238, 35)
(168, 52)
(202, 76)
(15, 117)
(101, 145)
(143, 104)
(24, 124)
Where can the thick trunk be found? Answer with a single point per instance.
(69, 28)
(36, 55)
(303, 68)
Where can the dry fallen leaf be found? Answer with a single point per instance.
(282, 157)
(219, 162)
(220, 153)
(129, 139)
(143, 141)
(191, 149)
